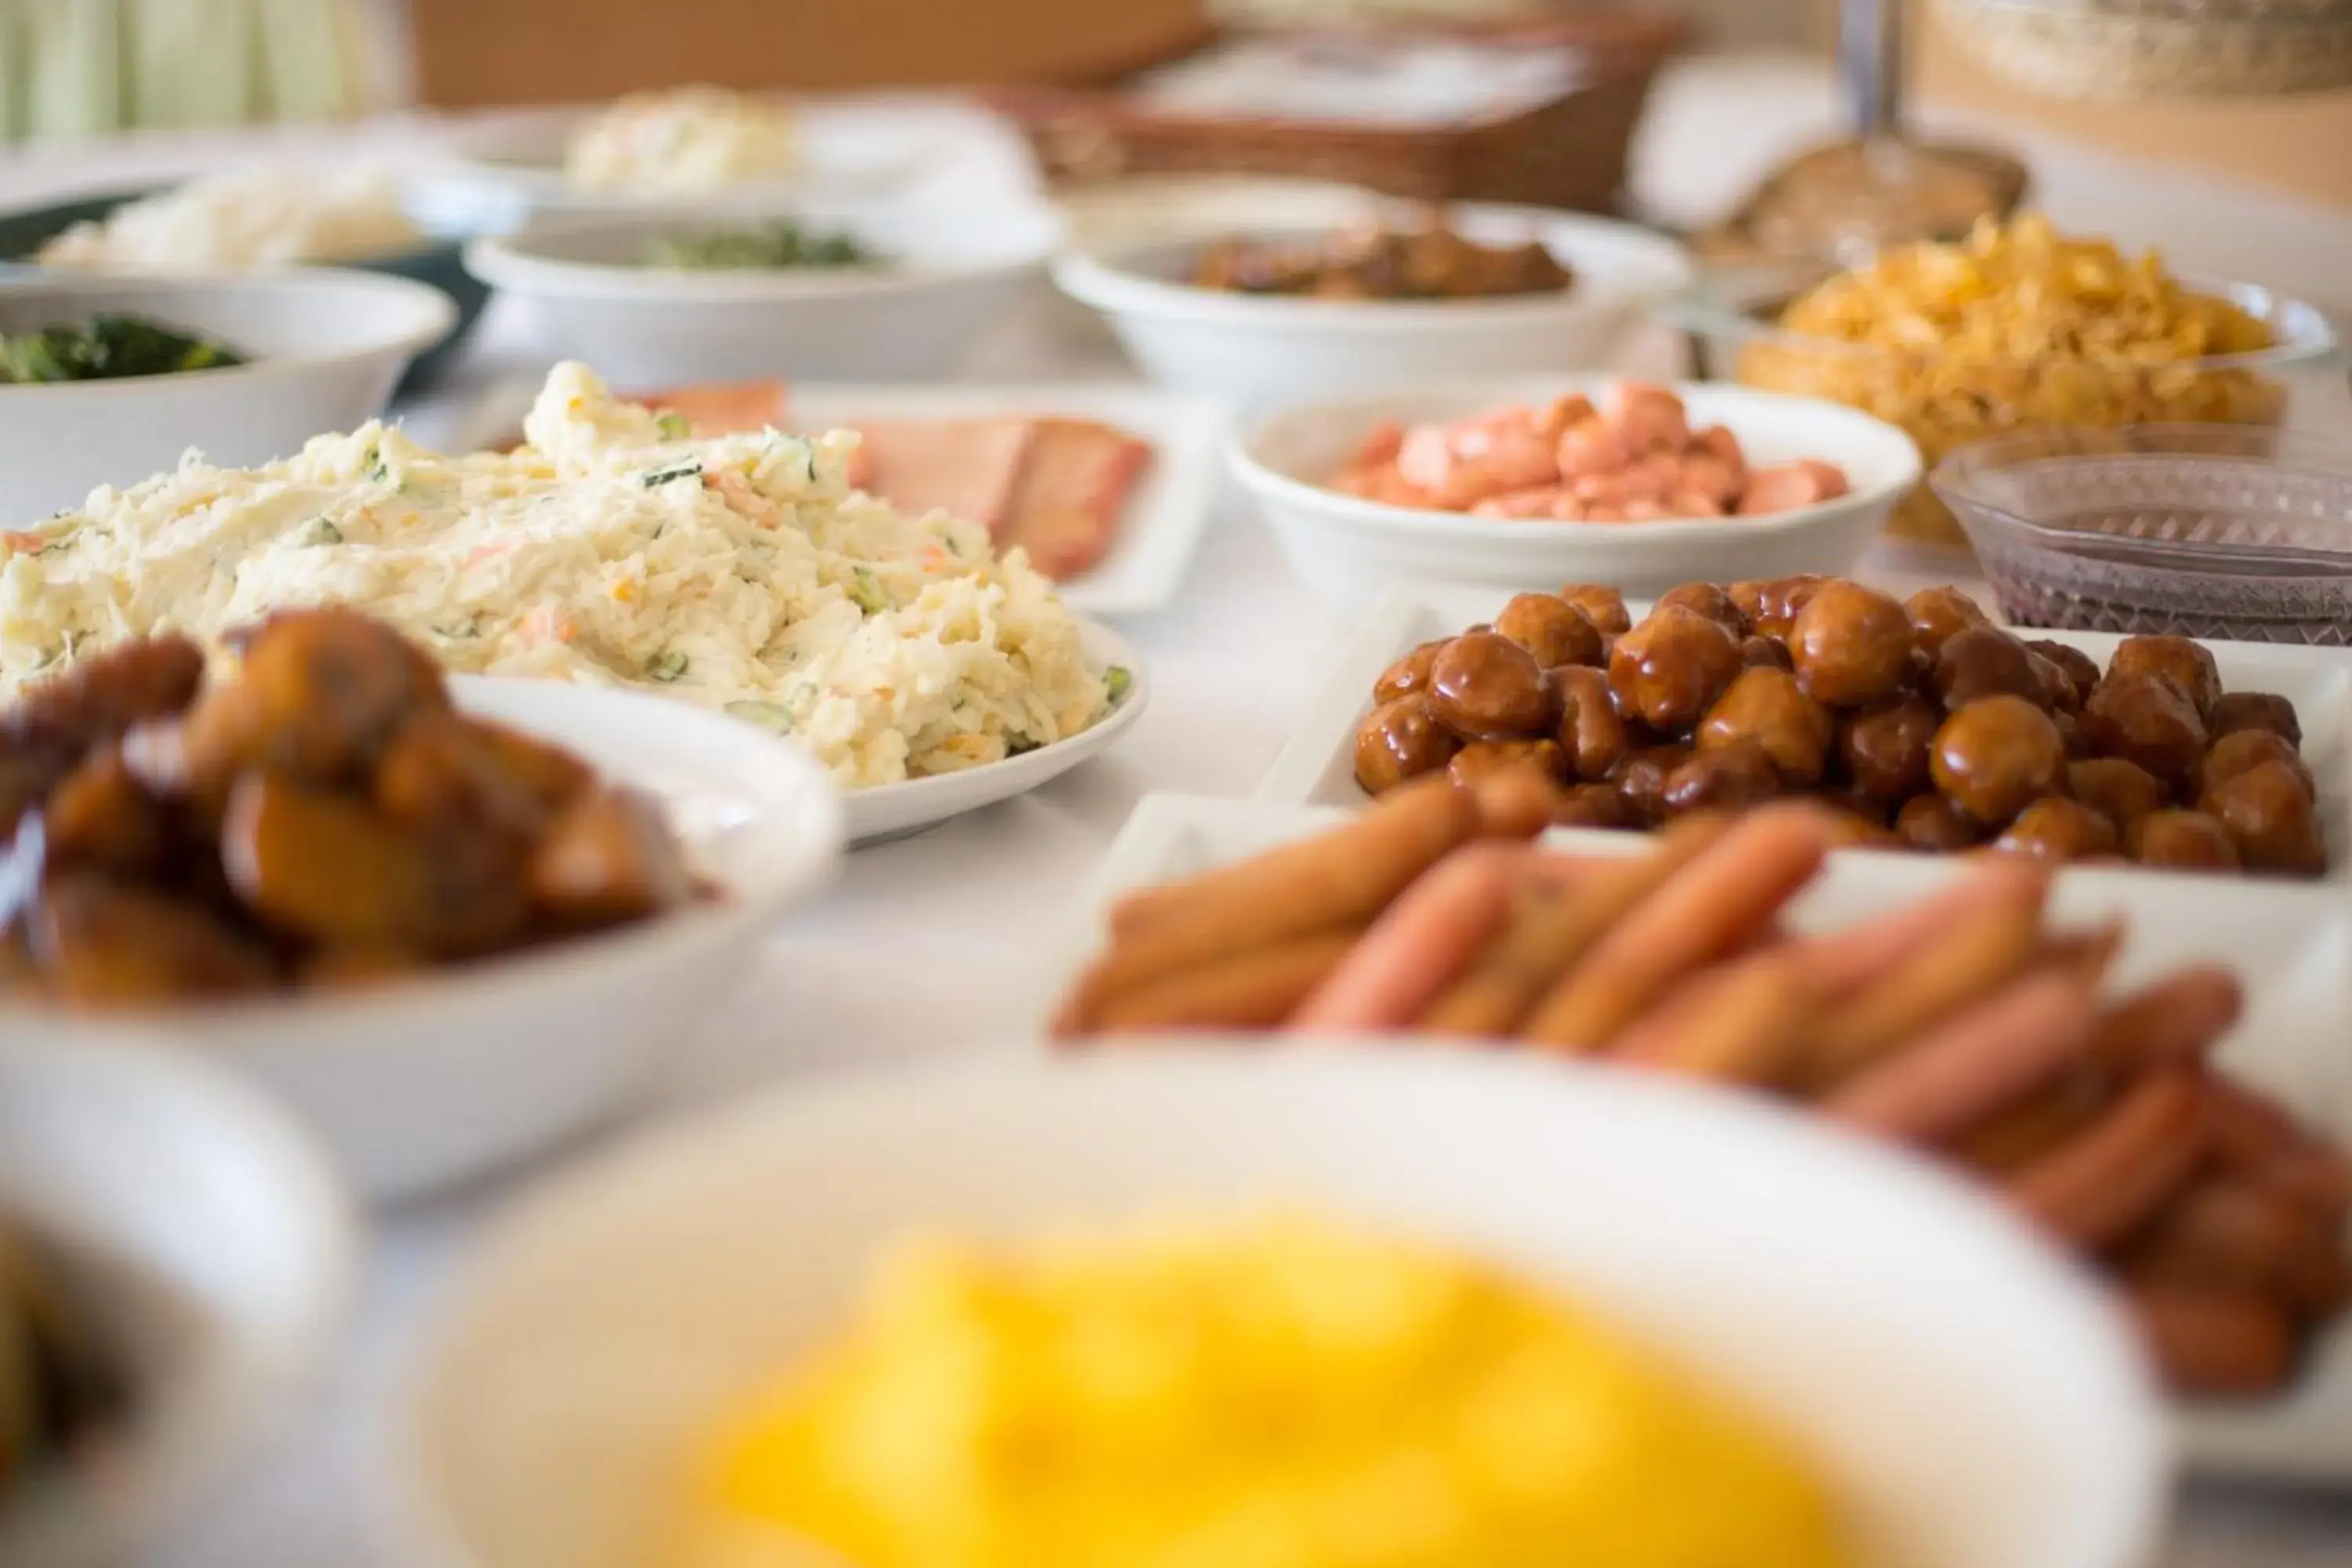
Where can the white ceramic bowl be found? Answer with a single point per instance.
(1349, 550)
(219, 1253)
(420, 1083)
(954, 273)
(1971, 1398)
(1260, 350)
(326, 345)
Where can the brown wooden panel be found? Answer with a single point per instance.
(477, 52)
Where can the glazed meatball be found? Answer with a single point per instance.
(1594, 805)
(1852, 645)
(1604, 606)
(1400, 740)
(1590, 732)
(1931, 822)
(1939, 614)
(1729, 777)
(2270, 817)
(2183, 841)
(2081, 670)
(2119, 791)
(2244, 751)
(1642, 778)
(1985, 661)
(2058, 693)
(1552, 629)
(2055, 828)
(2144, 719)
(1858, 830)
(2187, 665)
(1707, 600)
(2236, 711)
(1763, 653)
(1669, 670)
(1771, 608)
(1484, 687)
(1997, 756)
(1767, 708)
(1482, 760)
(1885, 753)
(1409, 673)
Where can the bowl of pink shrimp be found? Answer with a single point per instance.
(1529, 484)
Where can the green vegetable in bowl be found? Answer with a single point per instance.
(108, 348)
(772, 246)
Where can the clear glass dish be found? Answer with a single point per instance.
(1945, 403)
(2204, 531)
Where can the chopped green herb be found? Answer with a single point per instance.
(667, 667)
(767, 715)
(460, 631)
(322, 532)
(954, 548)
(866, 592)
(62, 541)
(657, 478)
(1118, 681)
(1016, 743)
(108, 348)
(767, 246)
(372, 460)
(673, 426)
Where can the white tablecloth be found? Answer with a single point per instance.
(933, 943)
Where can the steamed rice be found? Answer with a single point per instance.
(741, 573)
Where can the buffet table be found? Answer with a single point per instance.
(938, 943)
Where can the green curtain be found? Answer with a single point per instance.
(93, 67)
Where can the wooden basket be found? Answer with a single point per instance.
(1568, 152)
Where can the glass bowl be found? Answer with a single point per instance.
(2203, 531)
(1945, 404)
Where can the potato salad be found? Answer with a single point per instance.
(742, 572)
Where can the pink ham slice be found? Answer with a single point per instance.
(966, 468)
(1066, 507)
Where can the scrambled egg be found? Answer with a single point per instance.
(1276, 1393)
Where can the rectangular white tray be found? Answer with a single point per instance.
(1317, 766)
(2295, 956)
(1159, 532)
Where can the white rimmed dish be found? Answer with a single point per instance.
(947, 275)
(1261, 350)
(211, 1244)
(326, 347)
(1969, 1398)
(419, 1083)
(882, 812)
(1317, 765)
(2295, 956)
(1346, 549)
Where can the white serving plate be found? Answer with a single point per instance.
(1348, 549)
(2295, 956)
(1158, 533)
(422, 1082)
(892, 811)
(1317, 765)
(508, 168)
(1971, 1403)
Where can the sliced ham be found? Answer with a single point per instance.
(1065, 507)
(968, 468)
(724, 408)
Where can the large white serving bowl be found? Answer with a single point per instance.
(419, 1083)
(216, 1250)
(954, 272)
(1260, 350)
(1969, 1397)
(327, 347)
(1349, 550)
